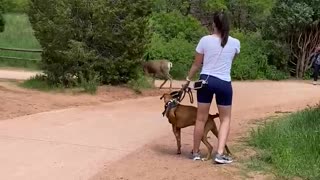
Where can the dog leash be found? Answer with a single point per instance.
(181, 94)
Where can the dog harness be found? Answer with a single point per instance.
(177, 97)
(169, 105)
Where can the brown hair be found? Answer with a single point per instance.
(221, 22)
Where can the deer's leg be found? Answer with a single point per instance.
(163, 83)
(170, 79)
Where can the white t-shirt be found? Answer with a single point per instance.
(214, 65)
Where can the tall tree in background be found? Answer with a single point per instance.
(200, 9)
(2, 22)
(106, 38)
(296, 23)
(249, 14)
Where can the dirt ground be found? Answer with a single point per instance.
(157, 160)
(17, 102)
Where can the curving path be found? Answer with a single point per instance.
(130, 139)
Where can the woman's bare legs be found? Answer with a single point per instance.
(225, 119)
(202, 117)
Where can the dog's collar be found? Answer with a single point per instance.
(169, 105)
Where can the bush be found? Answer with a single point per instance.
(39, 82)
(141, 83)
(174, 38)
(102, 37)
(291, 144)
(171, 25)
(253, 61)
(178, 50)
(15, 6)
(2, 22)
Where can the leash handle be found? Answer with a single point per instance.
(190, 95)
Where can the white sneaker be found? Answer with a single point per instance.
(223, 159)
(315, 82)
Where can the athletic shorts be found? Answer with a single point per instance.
(220, 88)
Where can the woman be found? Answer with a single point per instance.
(315, 57)
(215, 54)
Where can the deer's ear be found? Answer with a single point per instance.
(161, 97)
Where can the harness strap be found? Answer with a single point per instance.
(169, 105)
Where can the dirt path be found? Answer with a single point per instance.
(86, 137)
(252, 100)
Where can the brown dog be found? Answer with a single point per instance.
(181, 116)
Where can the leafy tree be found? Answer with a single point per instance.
(296, 24)
(249, 14)
(2, 22)
(15, 6)
(170, 25)
(104, 38)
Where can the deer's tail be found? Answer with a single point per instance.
(170, 65)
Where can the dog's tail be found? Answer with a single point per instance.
(214, 116)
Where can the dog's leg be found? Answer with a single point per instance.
(177, 134)
(205, 142)
(216, 133)
(179, 140)
(227, 149)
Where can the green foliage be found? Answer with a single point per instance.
(102, 36)
(141, 83)
(2, 21)
(291, 144)
(186, 7)
(178, 50)
(290, 17)
(294, 23)
(171, 25)
(90, 83)
(252, 62)
(39, 82)
(174, 38)
(249, 14)
(19, 34)
(15, 6)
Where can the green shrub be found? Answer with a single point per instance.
(141, 83)
(2, 22)
(15, 6)
(273, 73)
(171, 25)
(175, 37)
(291, 144)
(253, 61)
(39, 82)
(178, 50)
(89, 84)
(102, 36)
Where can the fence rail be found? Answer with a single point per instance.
(20, 50)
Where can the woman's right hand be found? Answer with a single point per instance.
(186, 85)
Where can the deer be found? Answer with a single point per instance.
(159, 69)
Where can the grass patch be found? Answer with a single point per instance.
(141, 83)
(19, 34)
(290, 145)
(40, 82)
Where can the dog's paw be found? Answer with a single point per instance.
(205, 159)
